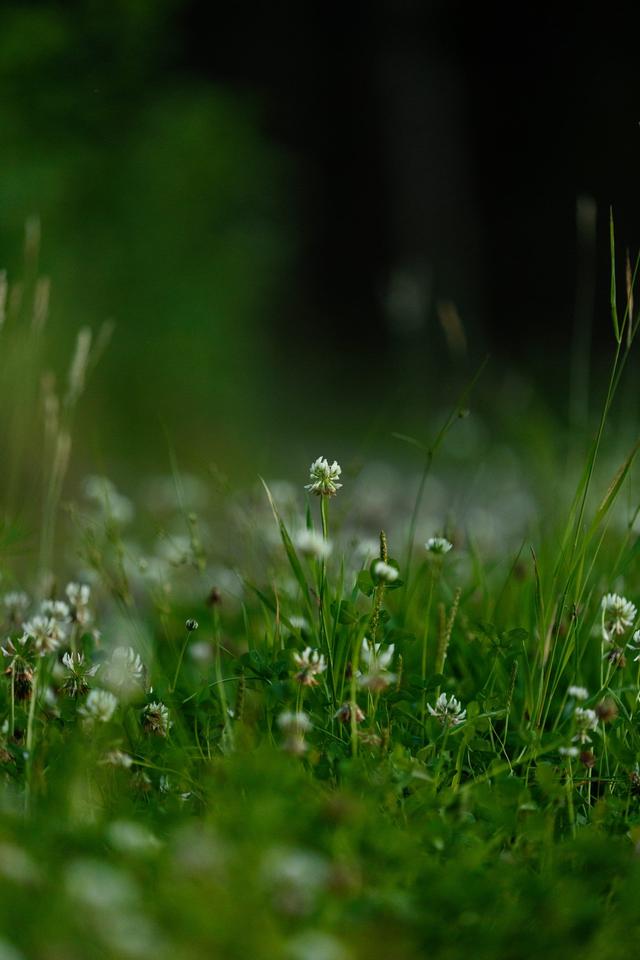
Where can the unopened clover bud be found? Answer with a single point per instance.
(191, 625)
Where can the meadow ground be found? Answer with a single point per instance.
(357, 714)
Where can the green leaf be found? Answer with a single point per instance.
(613, 295)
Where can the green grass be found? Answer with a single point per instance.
(249, 775)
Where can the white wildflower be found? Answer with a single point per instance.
(586, 721)
(299, 623)
(384, 571)
(312, 544)
(79, 595)
(569, 752)
(324, 477)
(618, 614)
(294, 725)
(155, 719)
(55, 610)
(377, 660)
(46, 632)
(438, 545)
(16, 603)
(310, 663)
(123, 672)
(579, 693)
(75, 682)
(447, 710)
(100, 705)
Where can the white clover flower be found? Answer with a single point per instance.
(299, 623)
(438, 545)
(16, 603)
(55, 610)
(618, 614)
(75, 682)
(384, 571)
(116, 758)
(155, 719)
(580, 693)
(310, 663)
(100, 705)
(79, 595)
(123, 672)
(294, 725)
(291, 721)
(312, 544)
(447, 710)
(324, 478)
(377, 660)
(112, 504)
(46, 632)
(569, 751)
(586, 721)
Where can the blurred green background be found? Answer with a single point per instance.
(308, 227)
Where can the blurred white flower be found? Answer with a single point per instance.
(294, 725)
(569, 752)
(438, 545)
(123, 672)
(46, 632)
(79, 595)
(586, 721)
(384, 571)
(377, 660)
(447, 710)
(56, 610)
(310, 663)
(580, 693)
(100, 705)
(324, 477)
(16, 602)
(312, 544)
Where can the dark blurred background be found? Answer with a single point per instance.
(306, 217)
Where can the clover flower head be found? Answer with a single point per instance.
(16, 603)
(438, 545)
(578, 693)
(79, 595)
(124, 671)
(377, 676)
(324, 477)
(310, 663)
(447, 710)
(385, 572)
(618, 614)
(312, 544)
(100, 705)
(298, 622)
(155, 719)
(46, 632)
(75, 682)
(294, 725)
(569, 751)
(586, 721)
(55, 610)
